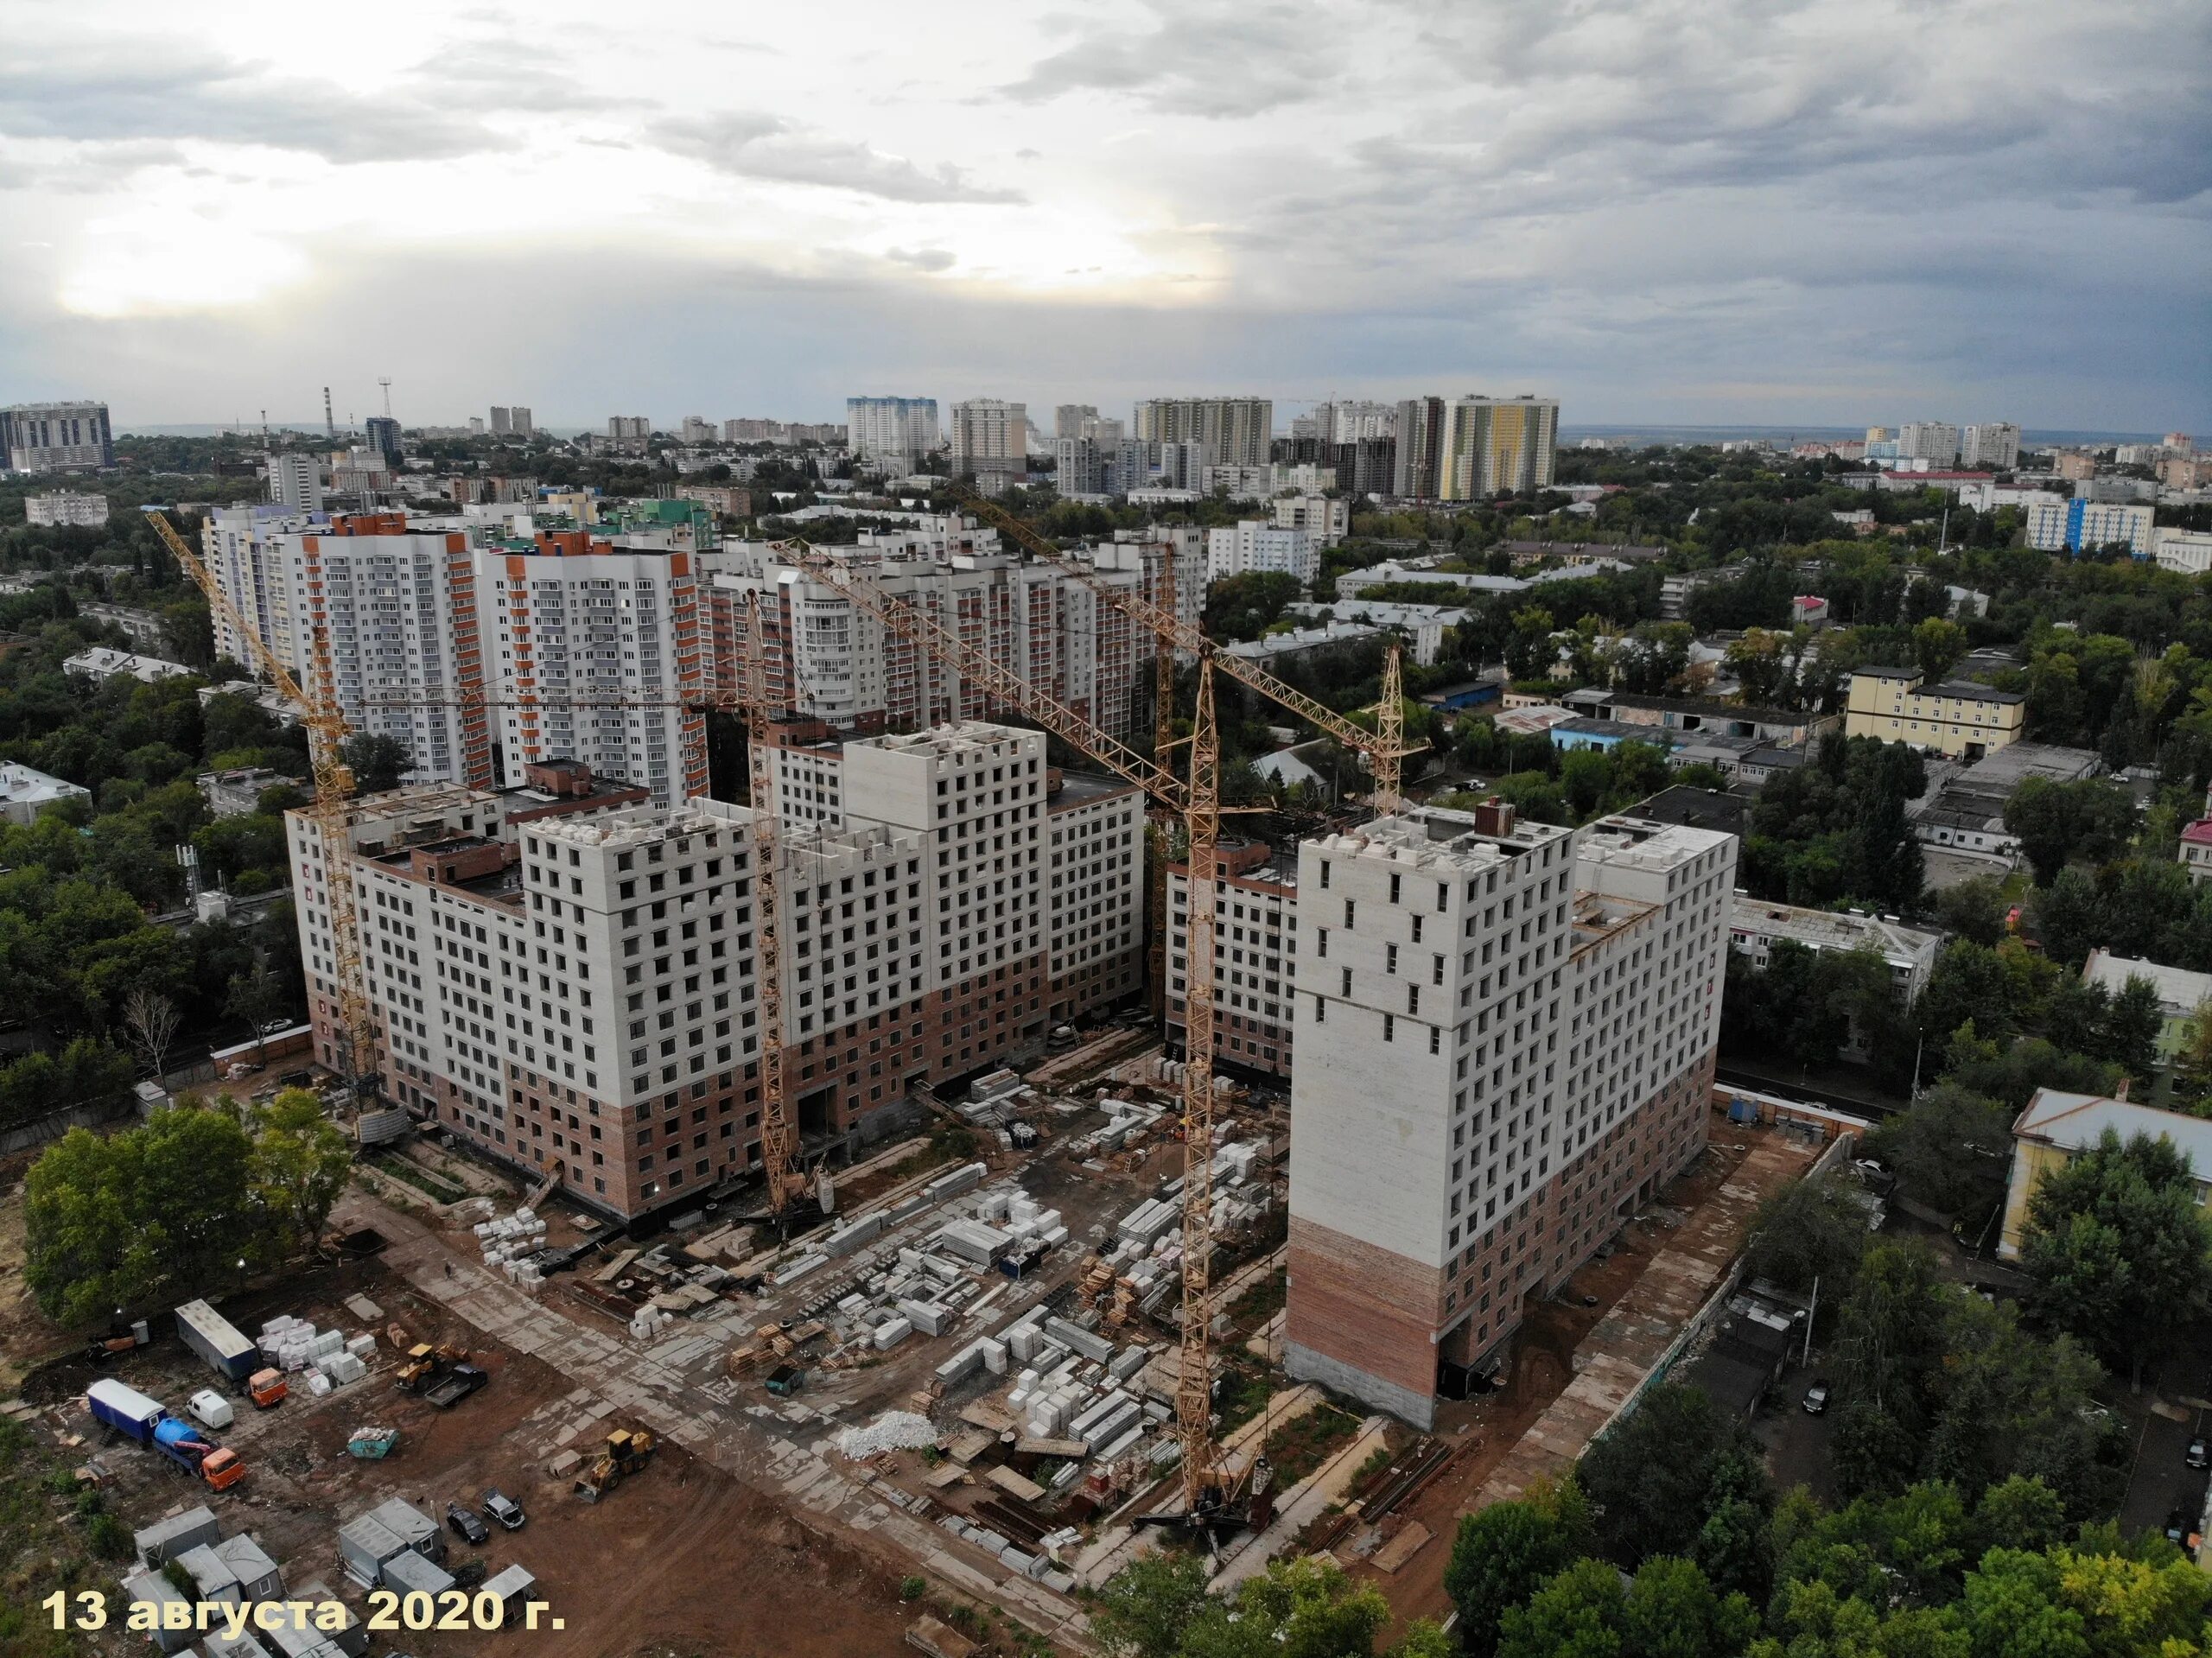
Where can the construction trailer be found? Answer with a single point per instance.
(165, 1540)
(369, 1543)
(212, 1336)
(515, 1588)
(152, 1589)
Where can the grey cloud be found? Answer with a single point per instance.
(767, 147)
(1208, 59)
(180, 95)
(922, 258)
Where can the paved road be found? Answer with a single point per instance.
(677, 1385)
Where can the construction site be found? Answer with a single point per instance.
(1086, 1292)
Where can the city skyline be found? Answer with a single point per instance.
(1749, 218)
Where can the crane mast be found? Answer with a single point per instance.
(778, 1146)
(326, 728)
(1194, 1374)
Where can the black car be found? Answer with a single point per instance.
(467, 1525)
(2179, 1524)
(504, 1509)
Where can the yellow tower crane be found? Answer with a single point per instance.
(326, 728)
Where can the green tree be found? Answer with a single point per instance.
(1813, 1230)
(1503, 1554)
(260, 1000)
(300, 1161)
(2192, 1063)
(2057, 822)
(1158, 1607)
(2117, 1251)
(166, 1209)
(1144, 1608)
(1651, 1479)
(1952, 1150)
(376, 762)
(1937, 645)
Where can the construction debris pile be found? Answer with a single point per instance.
(897, 1430)
(334, 1361)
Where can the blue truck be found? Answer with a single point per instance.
(147, 1422)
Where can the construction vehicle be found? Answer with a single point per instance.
(459, 1382)
(627, 1452)
(267, 1389)
(425, 1365)
(120, 1339)
(147, 1422)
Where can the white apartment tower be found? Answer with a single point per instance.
(1934, 441)
(1995, 446)
(1505, 1036)
(1253, 547)
(895, 431)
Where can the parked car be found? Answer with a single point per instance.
(2179, 1524)
(504, 1509)
(467, 1525)
(2200, 1454)
(1816, 1399)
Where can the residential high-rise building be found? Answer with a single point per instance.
(1505, 1037)
(1078, 468)
(503, 423)
(830, 661)
(1366, 465)
(991, 439)
(1929, 440)
(295, 482)
(1236, 431)
(1068, 418)
(629, 428)
(55, 437)
(1995, 444)
(552, 630)
(512, 422)
(921, 942)
(1494, 446)
(382, 434)
(698, 430)
(1325, 519)
(1254, 547)
(1419, 460)
(894, 431)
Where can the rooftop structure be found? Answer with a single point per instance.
(2058, 1127)
(24, 793)
(104, 662)
(1962, 718)
(1755, 925)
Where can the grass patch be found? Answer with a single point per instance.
(1299, 1447)
(39, 1552)
(410, 1173)
(1260, 1303)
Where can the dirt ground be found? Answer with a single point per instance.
(681, 1558)
(1486, 1428)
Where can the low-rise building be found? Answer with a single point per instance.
(65, 506)
(105, 662)
(1755, 925)
(1251, 547)
(2195, 851)
(2181, 993)
(1966, 812)
(2058, 1127)
(24, 793)
(2188, 551)
(1960, 717)
(2081, 526)
(1704, 714)
(238, 792)
(1323, 518)
(1299, 641)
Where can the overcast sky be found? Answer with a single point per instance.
(1708, 211)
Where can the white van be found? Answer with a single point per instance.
(211, 1408)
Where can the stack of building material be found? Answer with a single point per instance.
(974, 1242)
(649, 1321)
(966, 1178)
(511, 1237)
(341, 1367)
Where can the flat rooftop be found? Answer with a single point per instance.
(1080, 788)
(1826, 929)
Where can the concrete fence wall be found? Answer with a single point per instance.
(37, 1132)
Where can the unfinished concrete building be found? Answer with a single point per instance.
(1505, 1035)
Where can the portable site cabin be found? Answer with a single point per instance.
(258, 1576)
(514, 1587)
(211, 1574)
(166, 1539)
(407, 1572)
(151, 1588)
(218, 1644)
(368, 1543)
(286, 1642)
(218, 1341)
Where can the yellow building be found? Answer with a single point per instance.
(1960, 717)
(2058, 1127)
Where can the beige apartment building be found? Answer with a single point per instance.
(1960, 718)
